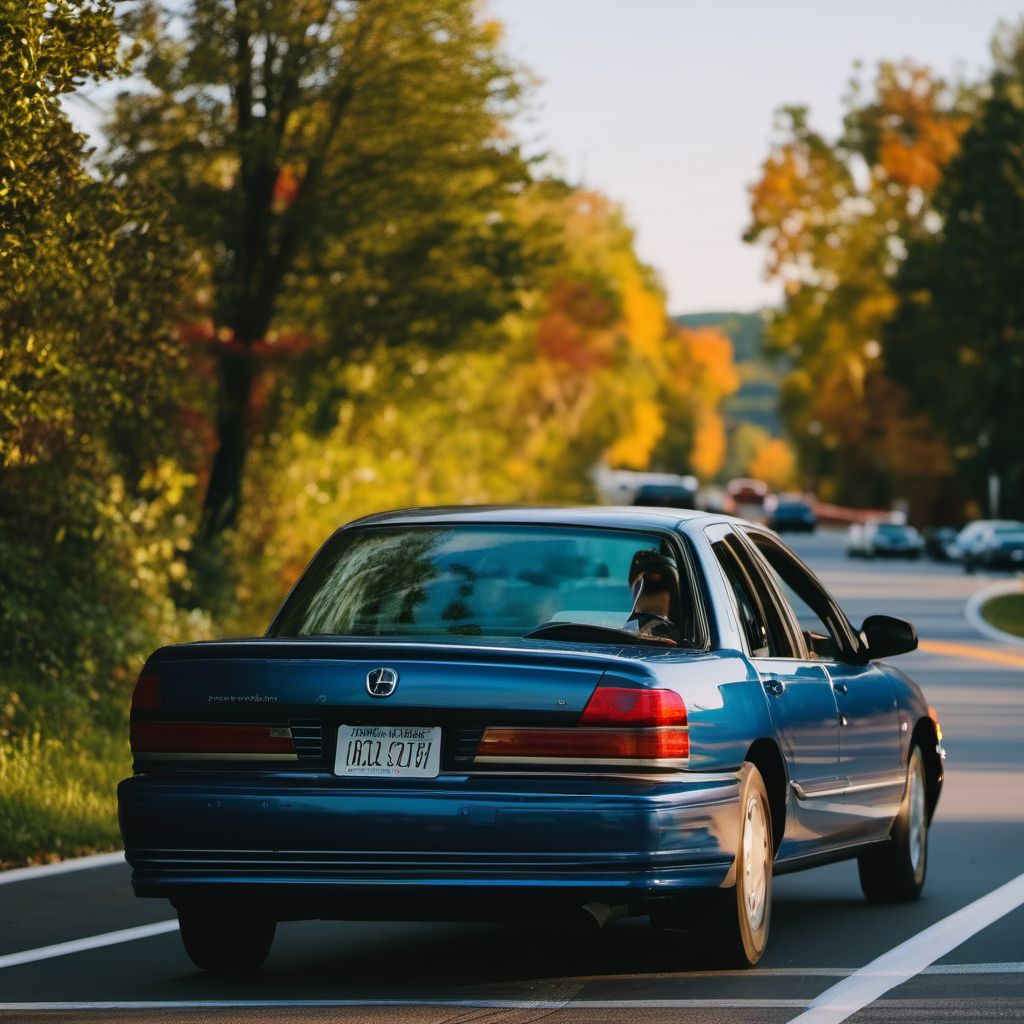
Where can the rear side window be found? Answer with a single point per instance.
(760, 617)
(488, 581)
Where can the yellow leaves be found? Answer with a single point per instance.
(633, 449)
(644, 315)
(708, 445)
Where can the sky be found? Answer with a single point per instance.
(666, 106)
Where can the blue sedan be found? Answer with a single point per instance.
(530, 714)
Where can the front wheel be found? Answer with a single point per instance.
(225, 940)
(895, 872)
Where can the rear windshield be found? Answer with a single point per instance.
(489, 581)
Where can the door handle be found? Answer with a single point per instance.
(840, 688)
(776, 687)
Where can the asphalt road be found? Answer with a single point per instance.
(822, 932)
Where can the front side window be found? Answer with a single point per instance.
(493, 581)
(825, 630)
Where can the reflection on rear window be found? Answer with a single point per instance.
(465, 580)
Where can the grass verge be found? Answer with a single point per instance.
(1005, 612)
(57, 796)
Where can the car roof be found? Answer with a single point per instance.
(621, 516)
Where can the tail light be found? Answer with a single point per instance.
(146, 695)
(203, 741)
(619, 726)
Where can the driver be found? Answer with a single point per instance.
(653, 579)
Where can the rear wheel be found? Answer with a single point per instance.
(895, 872)
(225, 940)
(731, 925)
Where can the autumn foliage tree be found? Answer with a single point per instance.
(836, 218)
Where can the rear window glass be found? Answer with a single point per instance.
(470, 580)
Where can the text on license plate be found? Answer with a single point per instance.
(391, 751)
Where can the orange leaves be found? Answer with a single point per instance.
(710, 354)
(286, 189)
(918, 134)
(576, 329)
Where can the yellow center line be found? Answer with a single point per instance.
(971, 651)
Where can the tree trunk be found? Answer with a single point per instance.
(223, 493)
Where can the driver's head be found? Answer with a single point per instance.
(652, 572)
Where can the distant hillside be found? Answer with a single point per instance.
(757, 400)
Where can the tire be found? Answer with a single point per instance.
(895, 872)
(225, 940)
(734, 922)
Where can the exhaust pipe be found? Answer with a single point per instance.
(601, 914)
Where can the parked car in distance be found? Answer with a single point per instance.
(884, 540)
(665, 496)
(746, 491)
(996, 547)
(937, 541)
(530, 714)
(790, 512)
(972, 535)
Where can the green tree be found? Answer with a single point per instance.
(88, 484)
(344, 172)
(957, 342)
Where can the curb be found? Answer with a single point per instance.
(61, 867)
(972, 610)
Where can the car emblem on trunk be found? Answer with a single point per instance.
(381, 682)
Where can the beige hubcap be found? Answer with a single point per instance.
(755, 863)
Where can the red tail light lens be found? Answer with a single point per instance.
(640, 709)
(146, 695)
(619, 725)
(211, 740)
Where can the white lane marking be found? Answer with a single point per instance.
(60, 867)
(909, 958)
(487, 1004)
(144, 931)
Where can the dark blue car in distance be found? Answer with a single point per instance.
(530, 714)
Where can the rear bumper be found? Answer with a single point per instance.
(317, 846)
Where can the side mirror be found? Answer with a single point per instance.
(886, 636)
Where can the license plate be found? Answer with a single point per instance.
(388, 751)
